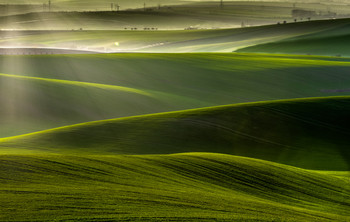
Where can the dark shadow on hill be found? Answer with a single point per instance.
(311, 133)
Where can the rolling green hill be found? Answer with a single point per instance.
(332, 42)
(31, 103)
(308, 133)
(40, 93)
(150, 137)
(183, 187)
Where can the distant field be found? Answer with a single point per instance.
(334, 41)
(41, 51)
(69, 89)
(74, 15)
(225, 40)
(23, 6)
(308, 133)
(184, 187)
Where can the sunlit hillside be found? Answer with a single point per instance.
(184, 187)
(41, 93)
(308, 133)
(333, 41)
(171, 110)
(217, 40)
(166, 16)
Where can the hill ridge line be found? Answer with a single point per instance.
(80, 83)
(5, 139)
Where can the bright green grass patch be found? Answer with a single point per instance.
(308, 133)
(182, 187)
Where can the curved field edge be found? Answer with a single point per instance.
(78, 83)
(174, 81)
(309, 133)
(143, 92)
(225, 40)
(180, 187)
(316, 46)
(332, 41)
(30, 104)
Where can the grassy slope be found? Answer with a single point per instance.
(184, 187)
(164, 82)
(245, 37)
(93, 5)
(198, 14)
(31, 103)
(334, 41)
(167, 17)
(167, 41)
(308, 133)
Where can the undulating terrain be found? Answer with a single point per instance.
(333, 41)
(309, 133)
(182, 187)
(99, 122)
(202, 40)
(161, 14)
(42, 93)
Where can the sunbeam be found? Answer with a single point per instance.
(171, 110)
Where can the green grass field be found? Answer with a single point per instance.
(170, 15)
(176, 136)
(182, 187)
(175, 16)
(307, 133)
(331, 42)
(41, 93)
(76, 5)
(225, 40)
(89, 182)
